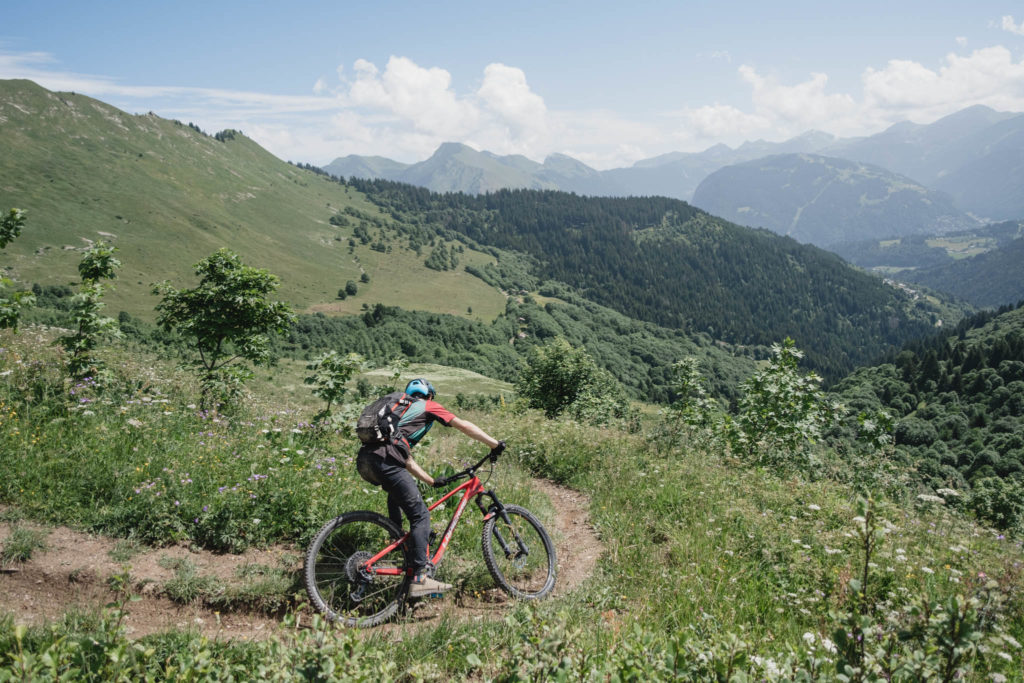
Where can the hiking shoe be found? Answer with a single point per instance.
(424, 585)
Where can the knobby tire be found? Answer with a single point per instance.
(527, 571)
(333, 580)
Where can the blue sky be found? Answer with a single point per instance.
(608, 83)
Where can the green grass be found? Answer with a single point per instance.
(168, 196)
(706, 563)
(21, 543)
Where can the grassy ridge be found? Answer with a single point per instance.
(708, 565)
(168, 195)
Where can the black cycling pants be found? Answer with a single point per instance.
(403, 496)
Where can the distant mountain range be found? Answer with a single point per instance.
(455, 167)
(976, 156)
(825, 200)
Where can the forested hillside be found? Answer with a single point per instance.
(664, 261)
(991, 279)
(958, 401)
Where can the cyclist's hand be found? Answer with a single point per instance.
(496, 451)
(440, 481)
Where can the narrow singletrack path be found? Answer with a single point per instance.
(73, 571)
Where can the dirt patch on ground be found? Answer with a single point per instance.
(73, 571)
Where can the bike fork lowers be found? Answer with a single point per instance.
(496, 508)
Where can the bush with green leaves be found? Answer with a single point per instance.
(226, 318)
(90, 327)
(693, 415)
(781, 411)
(12, 301)
(560, 379)
(331, 373)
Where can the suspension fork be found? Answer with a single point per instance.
(496, 508)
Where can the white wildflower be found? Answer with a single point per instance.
(927, 498)
(948, 493)
(828, 645)
(927, 570)
(808, 638)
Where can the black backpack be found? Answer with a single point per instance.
(378, 423)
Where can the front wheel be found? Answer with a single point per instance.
(519, 554)
(337, 580)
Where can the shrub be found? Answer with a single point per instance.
(226, 318)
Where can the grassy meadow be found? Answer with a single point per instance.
(169, 195)
(711, 569)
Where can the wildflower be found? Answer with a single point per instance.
(927, 570)
(808, 638)
(828, 645)
(926, 498)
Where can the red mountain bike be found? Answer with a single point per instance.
(356, 570)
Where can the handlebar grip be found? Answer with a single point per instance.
(496, 451)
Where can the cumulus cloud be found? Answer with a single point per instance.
(907, 89)
(1008, 24)
(404, 110)
(778, 111)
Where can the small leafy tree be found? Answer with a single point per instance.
(561, 379)
(351, 288)
(781, 410)
(693, 413)
(98, 264)
(10, 226)
(12, 301)
(226, 318)
(330, 373)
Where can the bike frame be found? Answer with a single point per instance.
(470, 489)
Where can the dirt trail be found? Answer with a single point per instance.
(74, 569)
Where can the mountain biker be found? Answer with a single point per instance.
(392, 467)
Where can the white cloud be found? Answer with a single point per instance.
(1008, 24)
(422, 97)
(404, 111)
(505, 91)
(907, 89)
(961, 41)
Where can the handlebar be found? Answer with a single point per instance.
(471, 470)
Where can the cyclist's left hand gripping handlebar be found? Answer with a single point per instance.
(496, 451)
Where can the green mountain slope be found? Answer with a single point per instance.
(666, 262)
(825, 200)
(991, 279)
(958, 400)
(167, 195)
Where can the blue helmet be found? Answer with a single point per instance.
(420, 387)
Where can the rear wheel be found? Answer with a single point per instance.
(519, 554)
(336, 579)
